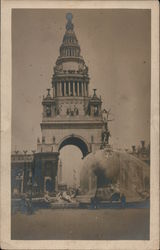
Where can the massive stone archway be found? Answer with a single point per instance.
(76, 141)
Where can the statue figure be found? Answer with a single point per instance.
(48, 110)
(54, 139)
(83, 68)
(95, 111)
(80, 67)
(105, 136)
(43, 139)
(86, 70)
(105, 115)
(86, 110)
(58, 68)
(76, 112)
(57, 112)
(67, 111)
(38, 140)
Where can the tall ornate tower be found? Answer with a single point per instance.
(70, 115)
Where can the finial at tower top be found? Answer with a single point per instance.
(94, 90)
(69, 16)
(69, 25)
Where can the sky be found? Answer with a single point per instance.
(115, 45)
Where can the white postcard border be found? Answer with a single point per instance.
(6, 90)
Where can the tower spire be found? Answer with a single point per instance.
(70, 76)
(69, 25)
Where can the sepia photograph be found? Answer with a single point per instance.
(81, 132)
(80, 124)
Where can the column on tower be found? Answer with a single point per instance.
(54, 91)
(64, 88)
(59, 86)
(55, 86)
(87, 88)
(69, 88)
(74, 88)
(84, 89)
(81, 88)
(81, 84)
(77, 88)
(58, 90)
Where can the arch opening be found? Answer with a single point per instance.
(73, 140)
(70, 163)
